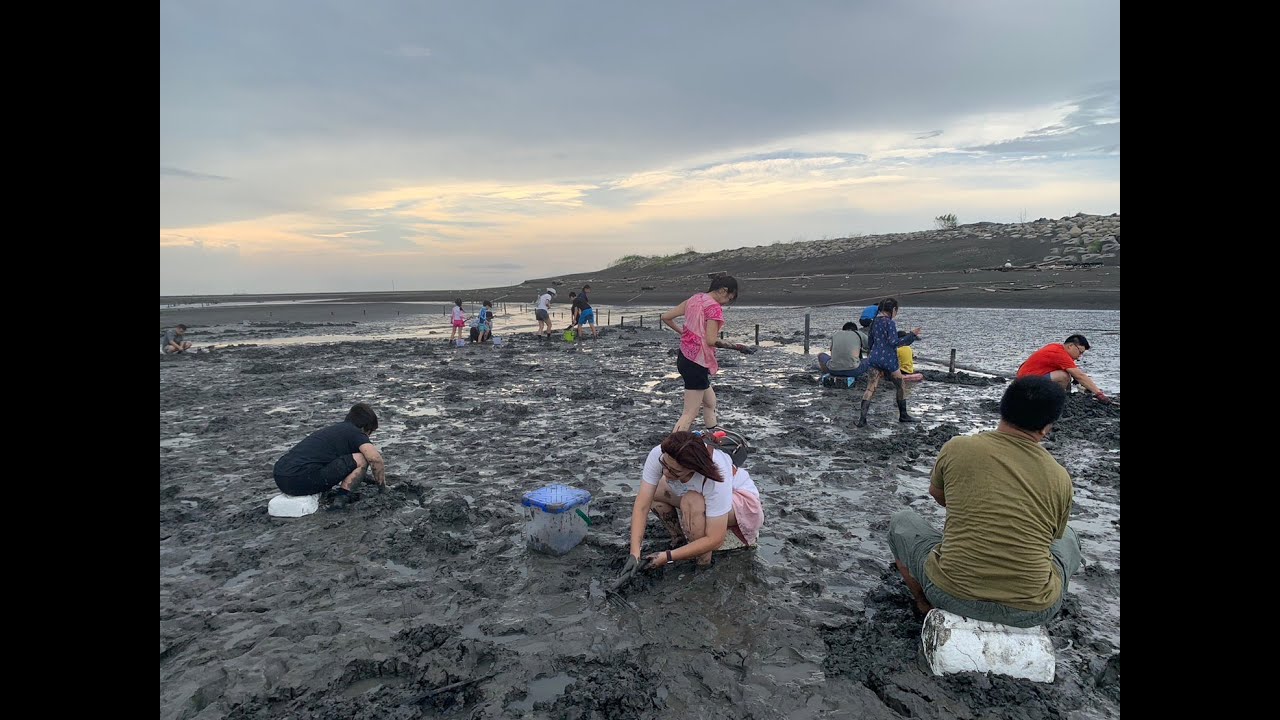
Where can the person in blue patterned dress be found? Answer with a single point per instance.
(883, 361)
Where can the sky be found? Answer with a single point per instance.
(318, 146)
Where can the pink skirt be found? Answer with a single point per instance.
(459, 323)
(750, 516)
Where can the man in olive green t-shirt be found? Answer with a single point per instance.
(1006, 552)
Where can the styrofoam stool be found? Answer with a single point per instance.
(293, 505)
(952, 644)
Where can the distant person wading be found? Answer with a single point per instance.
(542, 311)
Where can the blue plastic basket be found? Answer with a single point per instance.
(556, 499)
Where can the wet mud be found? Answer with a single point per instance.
(422, 600)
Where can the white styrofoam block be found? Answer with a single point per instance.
(293, 505)
(952, 643)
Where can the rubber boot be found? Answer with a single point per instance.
(902, 413)
(862, 413)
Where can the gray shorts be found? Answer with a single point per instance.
(541, 315)
(912, 538)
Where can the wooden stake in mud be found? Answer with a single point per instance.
(608, 318)
(641, 321)
(951, 371)
(757, 334)
(622, 321)
(806, 333)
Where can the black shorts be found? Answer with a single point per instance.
(319, 478)
(695, 376)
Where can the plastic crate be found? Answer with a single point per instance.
(558, 517)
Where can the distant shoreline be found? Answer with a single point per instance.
(1096, 288)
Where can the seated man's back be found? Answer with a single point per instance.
(1007, 501)
(845, 348)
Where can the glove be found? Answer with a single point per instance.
(629, 570)
(743, 349)
(1102, 398)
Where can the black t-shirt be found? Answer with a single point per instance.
(321, 448)
(581, 303)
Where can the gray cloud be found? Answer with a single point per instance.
(1093, 127)
(520, 90)
(409, 51)
(190, 175)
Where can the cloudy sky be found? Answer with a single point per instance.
(312, 145)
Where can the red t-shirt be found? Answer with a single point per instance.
(1047, 359)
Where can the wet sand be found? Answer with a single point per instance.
(422, 601)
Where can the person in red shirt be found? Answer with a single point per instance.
(1057, 361)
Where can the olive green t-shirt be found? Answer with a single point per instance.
(1007, 501)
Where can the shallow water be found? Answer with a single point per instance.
(993, 339)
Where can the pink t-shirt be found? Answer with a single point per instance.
(697, 311)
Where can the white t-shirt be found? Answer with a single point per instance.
(718, 495)
(544, 302)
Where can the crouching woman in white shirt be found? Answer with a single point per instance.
(700, 495)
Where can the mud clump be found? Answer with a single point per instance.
(218, 424)
(961, 378)
(619, 689)
(1108, 681)
(449, 510)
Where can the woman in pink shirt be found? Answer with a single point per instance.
(703, 319)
